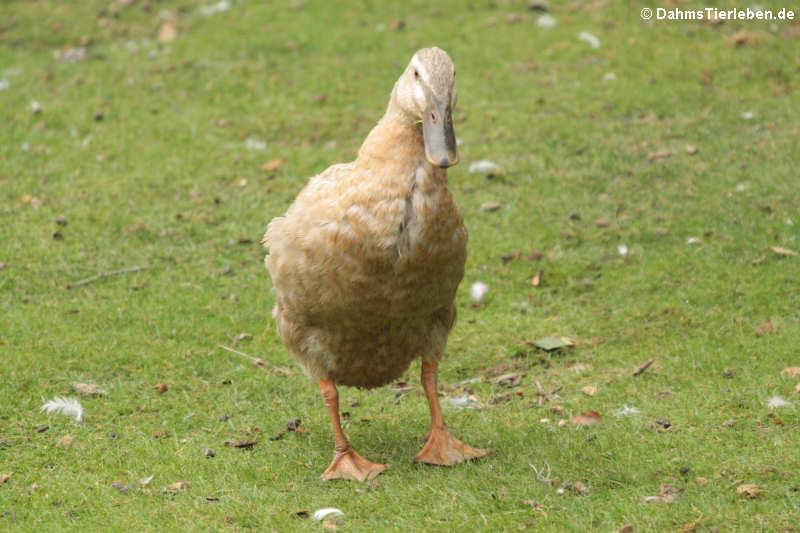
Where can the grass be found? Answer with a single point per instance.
(141, 147)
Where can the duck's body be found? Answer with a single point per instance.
(367, 260)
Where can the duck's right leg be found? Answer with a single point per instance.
(347, 463)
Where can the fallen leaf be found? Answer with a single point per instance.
(161, 387)
(242, 444)
(208, 452)
(579, 488)
(4, 478)
(602, 223)
(177, 486)
(644, 366)
(661, 154)
(783, 251)
(169, 28)
(667, 493)
(537, 279)
(501, 398)
(86, 389)
(589, 390)
(491, 206)
(332, 524)
(272, 165)
(587, 418)
(121, 485)
(765, 327)
(549, 344)
(741, 38)
(508, 380)
(66, 440)
(791, 372)
(690, 149)
(748, 490)
(161, 434)
(627, 528)
(701, 480)
(691, 527)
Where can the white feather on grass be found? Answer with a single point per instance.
(65, 406)
(320, 514)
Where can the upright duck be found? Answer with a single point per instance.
(367, 260)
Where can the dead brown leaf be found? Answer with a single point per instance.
(579, 488)
(690, 149)
(741, 38)
(589, 390)
(780, 250)
(791, 372)
(537, 279)
(701, 480)
(86, 389)
(4, 478)
(508, 380)
(667, 493)
(602, 223)
(66, 440)
(587, 418)
(748, 490)
(169, 28)
(274, 164)
(691, 527)
(242, 444)
(765, 327)
(661, 154)
(644, 366)
(178, 486)
(501, 398)
(160, 434)
(627, 528)
(161, 387)
(491, 206)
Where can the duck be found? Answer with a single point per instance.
(366, 262)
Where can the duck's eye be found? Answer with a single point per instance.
(416, 74)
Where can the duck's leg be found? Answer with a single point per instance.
(441, 448)
(347, 463)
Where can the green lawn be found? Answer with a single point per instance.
(174, 155)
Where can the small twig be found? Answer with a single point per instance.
(102, 275)
(259, 362)
(644, 366)
(541, 393)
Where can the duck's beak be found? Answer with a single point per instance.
(438, 134)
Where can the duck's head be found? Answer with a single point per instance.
(427, 91)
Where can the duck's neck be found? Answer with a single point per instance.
(396, 137)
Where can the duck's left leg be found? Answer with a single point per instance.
(347, 463)
(441, 448)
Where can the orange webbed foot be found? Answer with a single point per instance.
(442, 448)
(350, 465)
